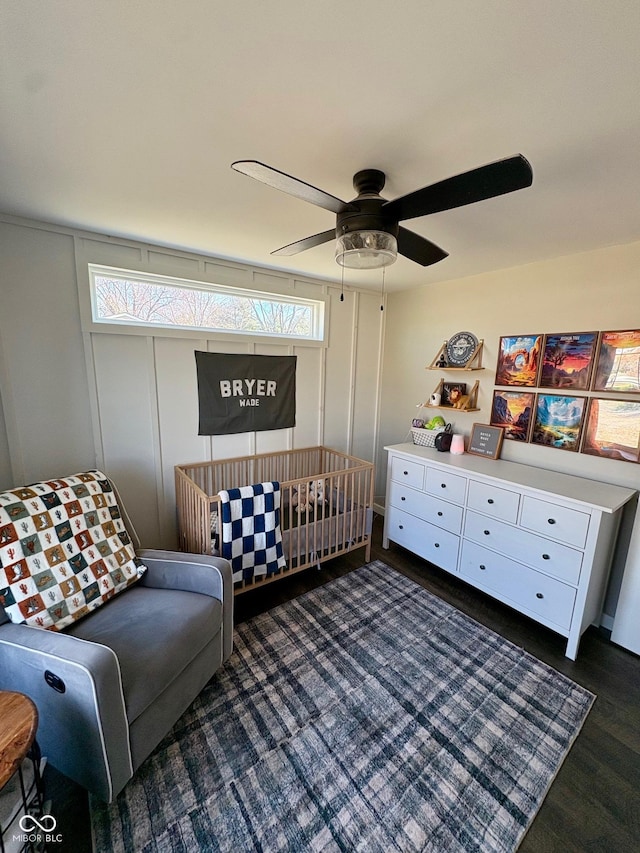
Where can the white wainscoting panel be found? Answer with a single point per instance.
(146, 396)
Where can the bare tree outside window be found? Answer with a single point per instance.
(118, 298)
(187, 305)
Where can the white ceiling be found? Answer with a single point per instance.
(124, 117)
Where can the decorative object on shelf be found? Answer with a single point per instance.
(512, 411)
(486, 440)
(567, 360)
(435, 399)
(452, 392)
(445, 358)
(519, 360)
(460, 348)
(441, 360)
(417, 423)
(558, 421)
(618, 364)
(462, 402)
(457, 444)
(612, 429)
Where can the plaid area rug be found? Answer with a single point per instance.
(367, 715)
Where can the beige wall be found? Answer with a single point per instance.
(592, 291)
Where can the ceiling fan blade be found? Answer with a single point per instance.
(307, 243)
(419, 249)
(495, 179)
(281, 181)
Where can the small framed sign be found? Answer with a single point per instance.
(486, 440)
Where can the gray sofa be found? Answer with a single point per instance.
(113, 684)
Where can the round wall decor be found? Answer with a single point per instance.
(460, 348)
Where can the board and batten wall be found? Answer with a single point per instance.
(77, 398)
(593, 291)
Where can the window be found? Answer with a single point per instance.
(123, 297)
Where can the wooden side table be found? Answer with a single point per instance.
(19, 718)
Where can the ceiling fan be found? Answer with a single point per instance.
(367, 231)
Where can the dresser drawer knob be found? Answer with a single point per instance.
(443, 485)
(436, 544)
(482, 567)
(539, 595)
(401, 526)
(489, 500)
(486, 532)
(551, 520)
(406, 473)
(403, 498)
(546, 557)
(440, 513)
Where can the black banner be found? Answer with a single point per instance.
(245, 393)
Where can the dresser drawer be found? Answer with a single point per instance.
(427, 507)
(492, 500)
(451, 487)
(428, 541)
(527, 590)
(559, 522)
(404, 471)
(550, 557)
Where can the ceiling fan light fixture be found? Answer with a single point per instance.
(366, 250)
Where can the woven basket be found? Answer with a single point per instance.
(427, 437)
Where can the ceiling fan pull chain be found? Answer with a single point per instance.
(342, 285)
(384, 269)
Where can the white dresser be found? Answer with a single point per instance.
(540, 541)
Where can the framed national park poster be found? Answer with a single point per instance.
(558, 421)
(612, 429)
(567, 360)
(512, 411)
(519, 360)
(618, 366)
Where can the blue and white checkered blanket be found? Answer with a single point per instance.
(251, 535)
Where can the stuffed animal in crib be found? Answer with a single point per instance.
(300, 498)
(317, 492)
(309, 495)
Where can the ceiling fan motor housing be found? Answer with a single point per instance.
(364, 213)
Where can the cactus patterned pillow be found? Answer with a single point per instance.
(64, 550)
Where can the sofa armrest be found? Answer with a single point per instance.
(193, 573)
(77, 688)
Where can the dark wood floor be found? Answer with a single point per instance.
(594, 802)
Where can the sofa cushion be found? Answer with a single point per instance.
(64, 550)
(155, 634)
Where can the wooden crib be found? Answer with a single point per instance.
(326, 504)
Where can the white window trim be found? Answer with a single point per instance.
(319, 305)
